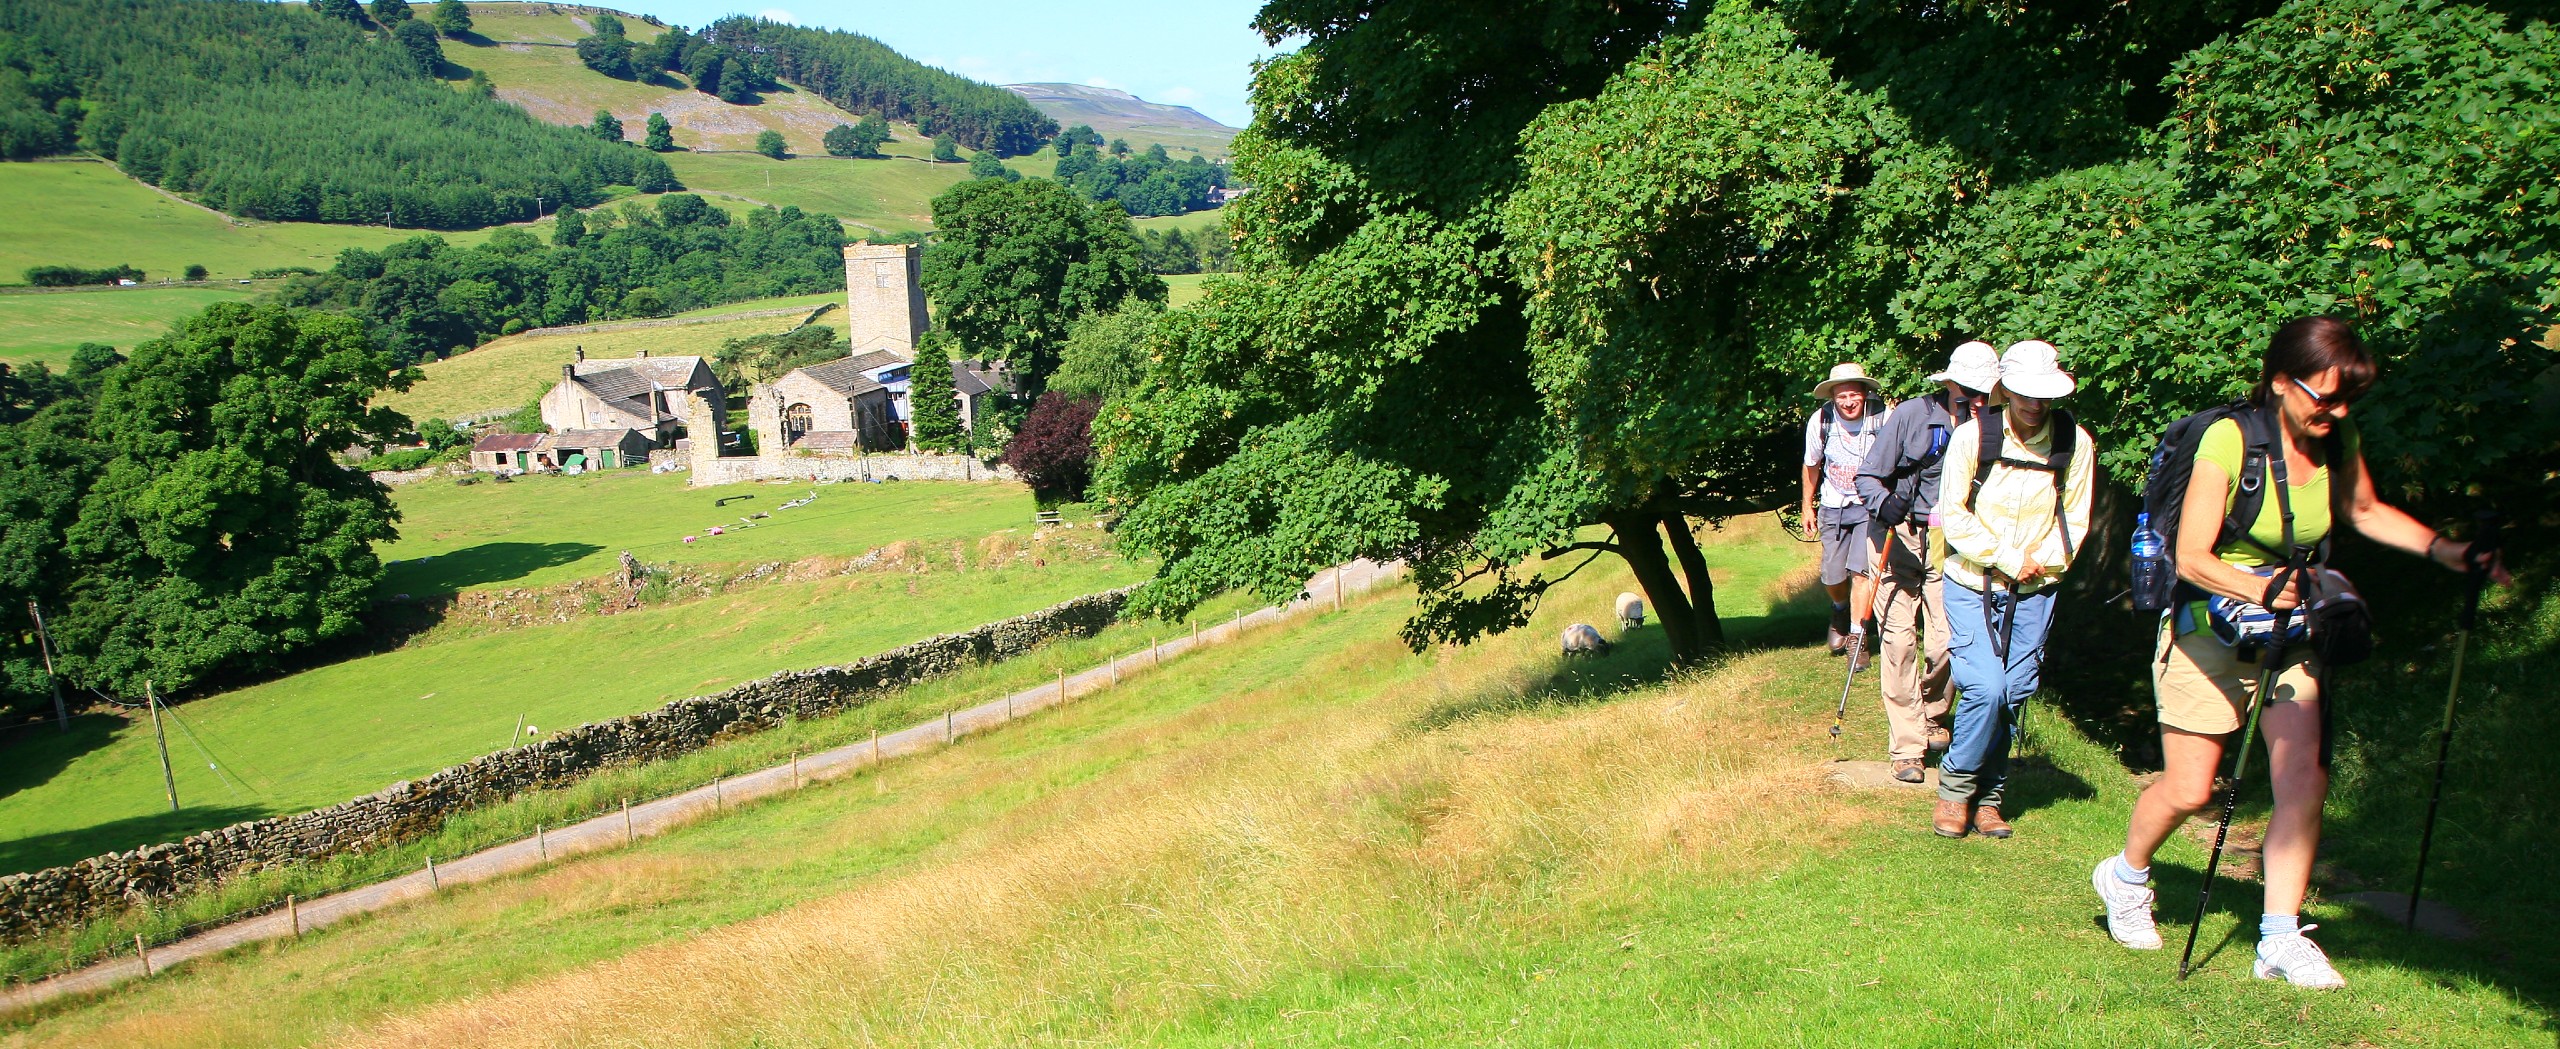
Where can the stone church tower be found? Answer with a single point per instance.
(884, 296)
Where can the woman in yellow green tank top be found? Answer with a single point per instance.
(2314, 370)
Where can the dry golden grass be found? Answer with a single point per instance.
(1263, 835)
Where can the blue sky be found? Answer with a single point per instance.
(1196, 53)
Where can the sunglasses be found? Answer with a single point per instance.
(2331, 402)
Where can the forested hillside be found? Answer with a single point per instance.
(271, 111)
(863, 75)
(423, 298)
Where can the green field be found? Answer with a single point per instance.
(548, 529)
(1317, 837)
(1190, 223)
(90, 214)
(1183, 289)
(327, 734)
(45, 326)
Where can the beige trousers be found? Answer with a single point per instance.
(1916, 693)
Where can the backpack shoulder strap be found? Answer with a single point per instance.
(1987, 426)
(1828, 414)
(2066, 440)
(2258, 465)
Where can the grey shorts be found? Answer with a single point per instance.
(1846, 549)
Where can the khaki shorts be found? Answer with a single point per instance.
(2203, 686)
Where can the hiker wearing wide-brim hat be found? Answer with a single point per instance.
(1899, 483)
(2294, 439)
(2013, 506)
(1836, 439)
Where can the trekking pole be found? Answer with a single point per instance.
(1857, 646)
(2484, 547)
(2271, 661)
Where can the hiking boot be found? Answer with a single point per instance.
(1860, 652)
(1908, 770)
(2297, 961)
(1940, 737)
(2128, 908)
(1839, 630)
(1948, 819)
(1986, 818)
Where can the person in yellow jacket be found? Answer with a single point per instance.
(2011, 529)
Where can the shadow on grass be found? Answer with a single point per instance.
(1640, 658)
(479, 565)
(39, 851)
(35, 753)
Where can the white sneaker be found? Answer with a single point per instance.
(2297, 961)
(2128, 908)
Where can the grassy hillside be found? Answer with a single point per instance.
(521, 47)
(512, 372)
(324, 735)
(44, 326)
(87, 213)
(538, 530)
(1316, 837)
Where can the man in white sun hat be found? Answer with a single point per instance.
(1836, 440)
(2013, 506)
(1899, 484)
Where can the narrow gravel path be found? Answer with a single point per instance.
(613, 830)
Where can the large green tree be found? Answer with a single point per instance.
(661, 136)
(221, 534)
(933, 400)
(1016, 263)
(1523, 283)
(452, 18)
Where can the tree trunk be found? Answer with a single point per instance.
(1709, 628)
(1639, 544)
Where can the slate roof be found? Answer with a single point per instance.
(986, 378)
(670, 372)
(581, 440)
(851, 376)
(508, 442)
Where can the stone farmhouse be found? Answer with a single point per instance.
(859, 404)
(605, 414)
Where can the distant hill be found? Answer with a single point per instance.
(1119, 114)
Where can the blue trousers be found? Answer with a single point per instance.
(1989, 689)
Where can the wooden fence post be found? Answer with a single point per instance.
(716, 801)
(433, 884)
(946, 724)
(1062, 687)
(541, 845)
(143, 952)
(795, 770)
(293, 914)
(627, 836)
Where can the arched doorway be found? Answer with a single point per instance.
(795, 424)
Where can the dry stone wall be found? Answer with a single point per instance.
(60, 897)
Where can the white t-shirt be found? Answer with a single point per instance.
(1839, 458)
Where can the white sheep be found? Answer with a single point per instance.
(1630, 611)
(1584, 640)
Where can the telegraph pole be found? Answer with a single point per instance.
(44, 643)
(167, 778)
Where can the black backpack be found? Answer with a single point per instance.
(2164, 493)
(2057, 461)
(1895, 511)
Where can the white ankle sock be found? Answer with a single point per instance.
(2129, 874)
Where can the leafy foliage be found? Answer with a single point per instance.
(1511, 275)
(1107, 353)
(862, 138)
(190, 522)
(606, 126)
(452, 18)
(769, 142)
(746, 361)
(75, 276)
(933, 399)
(661, 136)
(1148, 183)
(859, 74)
(987, 166)
(946, 149)
(1018, 262)
(1053, 451)
(272, 111)
(423, 298)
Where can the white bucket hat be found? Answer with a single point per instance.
(1974, 366)
(1840, 373)
(2034, 369)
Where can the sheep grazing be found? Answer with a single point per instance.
(1630, 611)
(1582, 639)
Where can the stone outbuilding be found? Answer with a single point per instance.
(980, 385)
(510, 453)
(857, 403)
(584, 450)
(642, 393)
